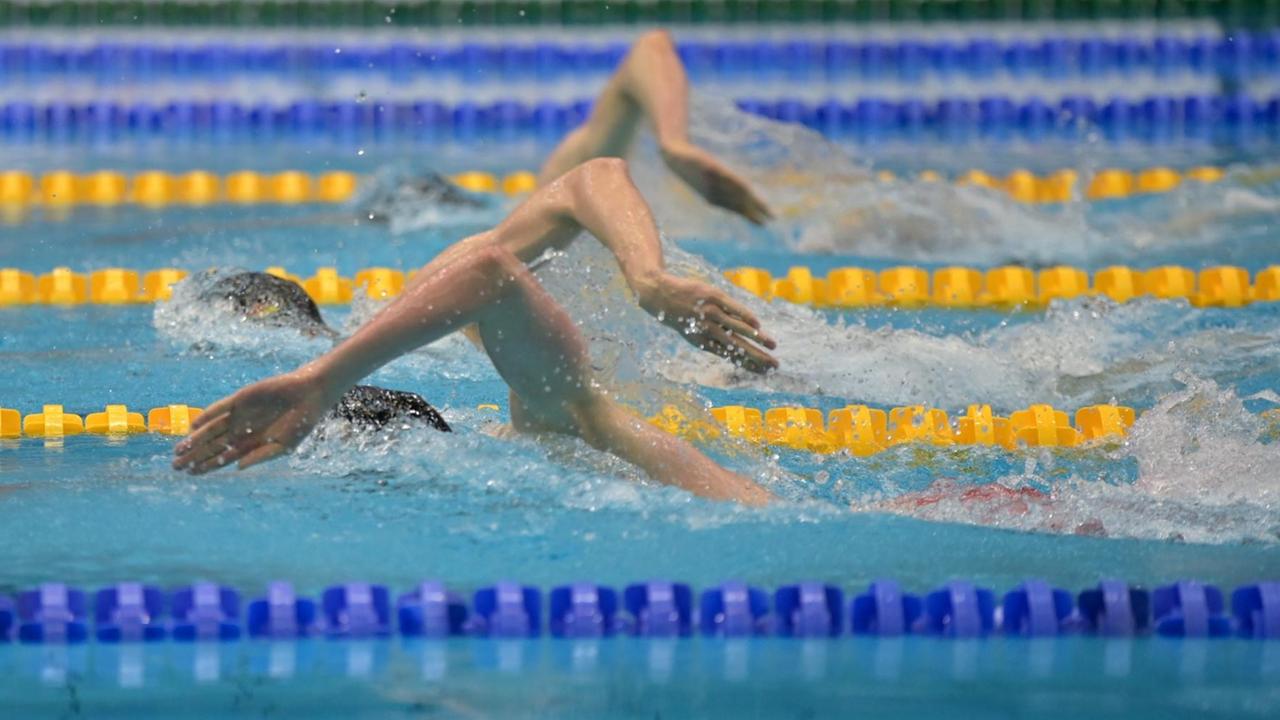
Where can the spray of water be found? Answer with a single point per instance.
(1204, 475)
(1200, 463)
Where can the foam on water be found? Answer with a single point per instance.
(828, 202)
(1204, 475)
(1077, 353)
(192, 322)
(1200, 466)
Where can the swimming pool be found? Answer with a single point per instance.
(1191, 493)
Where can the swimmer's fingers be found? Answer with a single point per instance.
(742, 352)
(722, 300)
(202, 443)
(739, 327)
(227, 455)
(753, 208)
(216, 411)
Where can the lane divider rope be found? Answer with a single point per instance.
(107, 188)
(154, 188)
(1010, 287)
(1006, 288)
(857, 429)
(589, 14)
(1229, 118)
(863, 431)
(61, 614)
(1242, 54)
(158, 189)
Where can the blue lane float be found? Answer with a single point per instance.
(1034, 609)
(282, 614)
(583, 610)
(1239, 55)
(960, 610)
(734, 610)
(129, 612)
(356, 610)
(507, 610)
(206, 612)
(51, 613)
(1190, 609)
(1114, 609)
(660, 609)
(885, 610)
(1155, 118)
(808, 609)
(431, 611)
(1257, 610)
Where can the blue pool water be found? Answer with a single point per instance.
(1192, 493)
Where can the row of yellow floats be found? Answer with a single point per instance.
(119, 286)
(908, 287)
(863, 431)
(154, 188)
(858, 429)
(1062, 186)
(1008, 287)
(54, 422)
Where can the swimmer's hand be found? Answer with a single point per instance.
(257, 423)
(709, 320)
(719, 185)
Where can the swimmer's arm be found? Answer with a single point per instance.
(270, 417)
(652, 84)
(599, 197)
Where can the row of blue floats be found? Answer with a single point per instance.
(1242, 55)
(133, 612)
(1196, 116)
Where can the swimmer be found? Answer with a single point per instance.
(269, 300)
(483, 284)
(650, 88)
(991, 504)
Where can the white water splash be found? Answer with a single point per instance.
(191, 321)
(829, 202)
(1204, 476)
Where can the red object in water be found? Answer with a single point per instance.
(1013, 500)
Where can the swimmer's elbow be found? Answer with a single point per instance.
(595, 181)
(597, 171)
